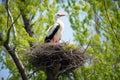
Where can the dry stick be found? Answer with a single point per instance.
(66, 67)
(105, 5)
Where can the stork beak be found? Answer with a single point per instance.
(62, 15)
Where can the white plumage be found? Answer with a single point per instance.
(54, 33)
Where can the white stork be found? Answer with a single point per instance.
(54, 33)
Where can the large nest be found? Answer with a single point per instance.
(49, 55)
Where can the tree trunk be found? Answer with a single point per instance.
(53, 72)
(50, 74)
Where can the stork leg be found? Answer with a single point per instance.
(53, 40)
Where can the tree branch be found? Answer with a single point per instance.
(14, 56)
(28, 25)
(97, 22)
(11, 18)
(1, 36)
(105, 5)
(27, 22)
(99, 18)
(87, 47)
(11, 51)
(18, 63)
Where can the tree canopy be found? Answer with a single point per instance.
(95, 24)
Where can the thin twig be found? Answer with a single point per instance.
(100, 18)
(106, 23)
(10, 73)
(105, 5)
(18, 16)
(87, 47)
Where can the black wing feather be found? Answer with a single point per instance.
(48, 38)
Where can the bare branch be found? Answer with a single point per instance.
(8, 33)
(11, 18)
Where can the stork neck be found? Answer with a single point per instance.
(58, 21)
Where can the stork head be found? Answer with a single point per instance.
(59, 15)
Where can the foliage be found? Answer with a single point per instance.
(95, 20)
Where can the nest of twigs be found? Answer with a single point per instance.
(49, 55)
